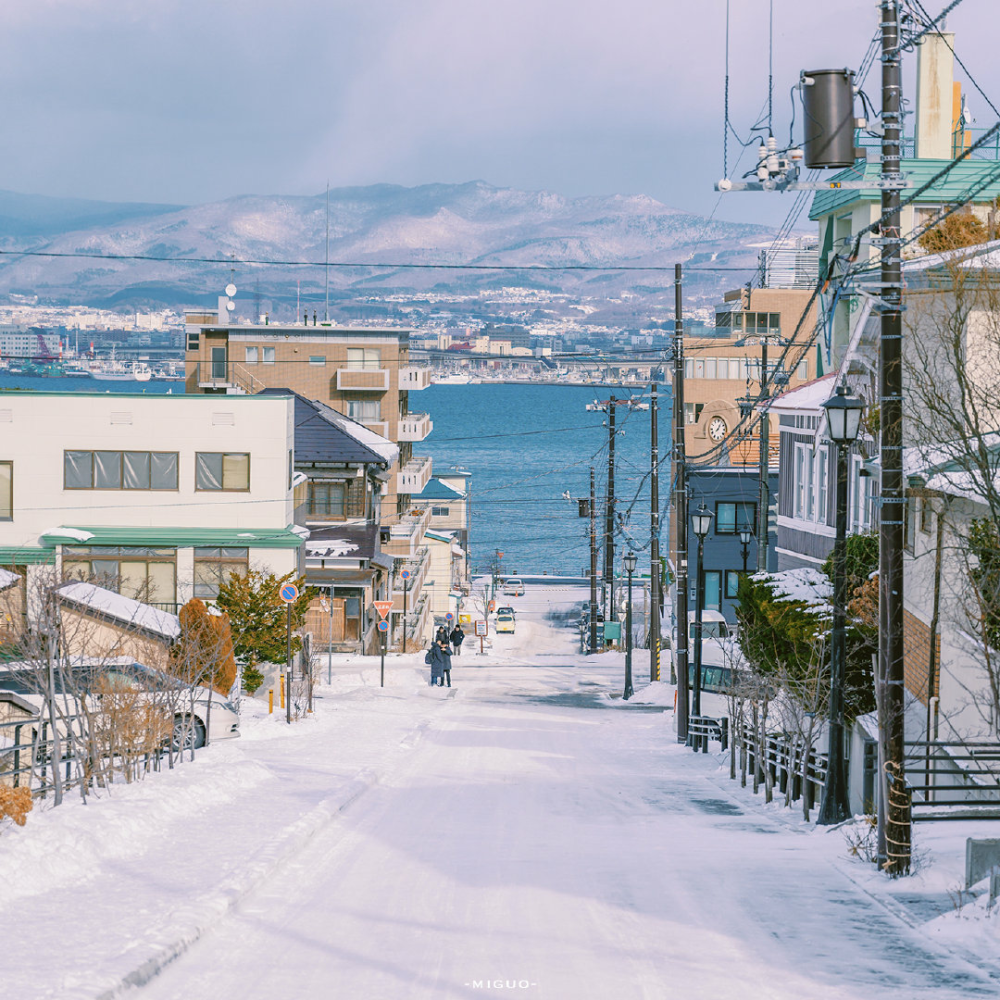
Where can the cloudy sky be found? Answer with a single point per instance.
(194, 100)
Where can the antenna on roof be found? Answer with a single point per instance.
(326, 311)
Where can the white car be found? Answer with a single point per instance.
(196, 711)
(513, 587)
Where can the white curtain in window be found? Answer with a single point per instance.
(78, 470)
(163, 470)
(6, 489)
(107, 470)
(136, 465)
(209, 470)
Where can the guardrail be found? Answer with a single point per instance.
(952, 780)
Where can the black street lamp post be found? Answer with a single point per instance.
(701, 522)
(745, 535)
(843, 421)
(630, 561)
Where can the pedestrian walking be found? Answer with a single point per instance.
(457, 638)
(442, 633)
(435, 661)
(445, 663)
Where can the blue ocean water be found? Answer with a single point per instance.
(525, 445)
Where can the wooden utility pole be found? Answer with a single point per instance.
(593, 564)
(609, 519)
(893, 510)
(654, 541)
(763, 463)
(680, 514)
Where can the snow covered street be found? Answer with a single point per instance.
(522, 831)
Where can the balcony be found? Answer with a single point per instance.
(414, 427)
(408, 529)
(414, 476)
(228, 375)
(363, 379)
(413, 378)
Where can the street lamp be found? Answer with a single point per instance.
(843, 421)
(745, 535)
(701, 521)
(630, 561)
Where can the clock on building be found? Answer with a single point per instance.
(717, 429)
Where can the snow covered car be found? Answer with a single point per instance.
(505, 623)
(190, 713)
(513, 587)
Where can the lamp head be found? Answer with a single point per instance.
(630, 561)
(745, 535)
(843, 416)
(701, 521)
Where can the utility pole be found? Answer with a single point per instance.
(680, 513)
(593, 564)
(893, 511)
(609, 521)
(763, 464)
(654, 532)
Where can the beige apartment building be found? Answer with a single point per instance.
(722, 369)
(366, 375)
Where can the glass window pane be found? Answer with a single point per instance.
(710, 368)
(207, 577)
(105, 573)
(78, 469)
(207, 553)
(732, 583)
(233, 553)
(235, 471)
(107, 470)
(712, 590)
(132, 580)
(163, 470)
(209, 470)
(725, 518)
(162, 587)
(268, 355)
(6, 490)
(136, 470)
(251, 356)
(317, 359)
(355, 357)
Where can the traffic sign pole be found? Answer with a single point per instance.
(289, 593)
(381, 681)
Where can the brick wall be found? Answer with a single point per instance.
(916, 656)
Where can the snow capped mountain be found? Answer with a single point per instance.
(472, 223)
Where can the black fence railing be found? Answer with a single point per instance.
(953, 780)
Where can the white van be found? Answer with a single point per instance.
(514, 587)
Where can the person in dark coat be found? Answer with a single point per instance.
(439, 658)
(442, 633)
(457, 638)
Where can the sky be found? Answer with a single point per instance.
(188, 101)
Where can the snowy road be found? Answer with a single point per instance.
(525, 832)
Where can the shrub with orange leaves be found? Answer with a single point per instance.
(15, 804)
(203, 654)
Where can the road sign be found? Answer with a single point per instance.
(405, 574)
(383, 626)
(383, 608)
(449, 617)
(289, 593)
(482, 628)
(465, 619)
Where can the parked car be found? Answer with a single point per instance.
(505, 623)
(506, 611)
(513, 587)
(193, 709)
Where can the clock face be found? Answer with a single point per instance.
(717, 429)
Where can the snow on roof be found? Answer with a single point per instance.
(75, 533)
(805, 584)
(331, 548)
(810, 396)
(380, 445)
(7, 579)
(122, 609)
(439, 536)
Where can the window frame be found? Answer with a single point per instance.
(221, 488)
(746, 505)
(76, 555)
(317, 360)
(122, 487)
(247, 359)
(732, 575)
(199, 588)
(9, 463)
(267, 356)
(717, 575)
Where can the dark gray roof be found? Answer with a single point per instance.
(319, 440)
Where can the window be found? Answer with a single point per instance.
(252, 355)
(731, 517)
(120, 470)
(364, 409)
(692, 412)
(925, 516)
(802, 371)
(318, 360)
(327, 500)
(291, 468)
(6, 491)
(217, 470)
(440, 511)
(214, 566)
(193, 341)
(822, 466)
(711, 368)
(732, 583)
(363, 357)
(268, 355)
(908, 525)
(146, 574)
(713, 585)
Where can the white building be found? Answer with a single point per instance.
(153, 496)
(20, 343)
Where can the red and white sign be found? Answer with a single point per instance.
(383, 608)
(482, 628)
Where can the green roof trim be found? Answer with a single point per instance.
(167, 537)
(26, 556)
(949, 189)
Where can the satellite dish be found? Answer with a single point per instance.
(230, 304)
(230, 289)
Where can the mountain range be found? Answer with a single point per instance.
(449, 224)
